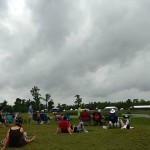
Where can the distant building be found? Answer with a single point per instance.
(141, 107)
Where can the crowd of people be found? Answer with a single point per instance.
(17, 137)
(114, 121)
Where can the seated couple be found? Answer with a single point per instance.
(122, 123)
(65, 127)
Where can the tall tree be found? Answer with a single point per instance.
(78, 100)
(46, 99)
(36, 96)
(50, 104)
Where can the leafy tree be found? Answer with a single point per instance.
(4, 104)
(46, 99)
(135, 101)
(18, 105)
(6, 108)
(50, 104)
(36, 96)
(78, 100)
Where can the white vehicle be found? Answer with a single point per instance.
(110, 107)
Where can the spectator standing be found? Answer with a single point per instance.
(30, 112)
(79, 111)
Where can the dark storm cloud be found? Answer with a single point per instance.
(98, 49)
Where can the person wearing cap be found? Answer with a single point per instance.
(16, 137)
(125, 122)
(64, 126)
(113, 118)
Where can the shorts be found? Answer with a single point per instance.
(76, 129)
(124, 127)
(29, 114)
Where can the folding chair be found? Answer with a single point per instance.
(58, 117)
(113, 121)
(67, 117)
(85, 117)
(9, 118)
(97, 118)
(44, 118)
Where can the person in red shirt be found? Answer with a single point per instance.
(64, 126)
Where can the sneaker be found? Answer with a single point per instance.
(86, 131)
(105, 127)
(131, 127)
(2, 142)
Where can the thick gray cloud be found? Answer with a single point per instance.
(98, 49)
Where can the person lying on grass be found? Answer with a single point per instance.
(125, 122)
(16, 137)
(79, 128)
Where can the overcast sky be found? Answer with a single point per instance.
(99, 49)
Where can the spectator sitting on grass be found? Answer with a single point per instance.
(113, 118)
(125, 123)
(16, 137)
(64, 126)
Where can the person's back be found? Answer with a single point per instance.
(113, 115)
(79, 111)
(30, 109)
(64, 125)
(113, 118)
(16, 138)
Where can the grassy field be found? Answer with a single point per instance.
(96, 139)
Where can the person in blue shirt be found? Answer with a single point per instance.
(113, 118)
(30, 113)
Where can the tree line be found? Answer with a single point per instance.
(21, 105)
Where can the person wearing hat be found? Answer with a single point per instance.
(113, 118)
(125, 122)
(16, 137)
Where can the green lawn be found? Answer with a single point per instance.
(97, 139)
